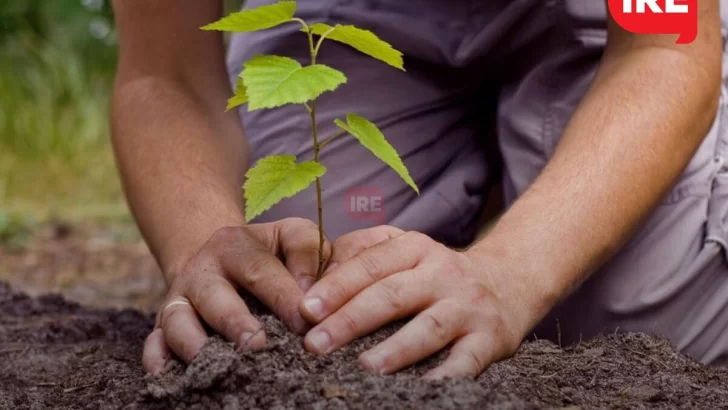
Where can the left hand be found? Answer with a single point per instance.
(383, 274)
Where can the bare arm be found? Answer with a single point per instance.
(182, 157)
(182, 160)
(650, 106)
(645, 115)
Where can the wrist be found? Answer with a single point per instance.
(527, 293)
(176, 253)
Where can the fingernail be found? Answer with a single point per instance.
(247, 340)
(434, 375)
(314, 307)
(431, 376)
(374, 361)
(298, 325)
(320, 340)
(156, 369)
(306, 283)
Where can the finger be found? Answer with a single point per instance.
(300, 242)
(468, 358)
(155, 353)
(361, 271)
(393, 298)
(422, 337)
(182, 330)
(263, 275)
(354, 242)
(223, 309)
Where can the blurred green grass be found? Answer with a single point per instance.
(57, 62)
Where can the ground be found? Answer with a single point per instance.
(99, 264)
(56, 353)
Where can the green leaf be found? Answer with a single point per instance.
(274, 178)
(259, 18)
(362, 40)
(372, 138)
(240, 97)
(273, 81)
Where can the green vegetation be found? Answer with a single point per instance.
(57, 63)
(15, 230)
(273, 81)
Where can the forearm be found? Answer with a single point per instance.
(182, 158)
(629, 140)
(182, 166)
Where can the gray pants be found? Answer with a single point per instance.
(489, 89)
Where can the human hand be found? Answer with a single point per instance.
(206, 289)
(383, 274)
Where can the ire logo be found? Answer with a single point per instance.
(365, 203)
(658, 17)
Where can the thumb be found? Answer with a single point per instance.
(300, 243)
(349, 245)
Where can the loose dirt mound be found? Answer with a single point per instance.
(56, 354)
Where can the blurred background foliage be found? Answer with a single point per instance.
(57, 63)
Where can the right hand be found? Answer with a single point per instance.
(276, 262)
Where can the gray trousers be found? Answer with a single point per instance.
(489, 89)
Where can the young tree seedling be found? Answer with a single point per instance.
(268, 81)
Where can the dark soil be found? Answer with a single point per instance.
(57, 354)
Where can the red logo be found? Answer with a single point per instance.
(365, 203)
(658, 17)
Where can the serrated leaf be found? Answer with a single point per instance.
(240, 97)
(275, 178)
(372, 138)
(272, 81)
(259, 18)
(362, 40)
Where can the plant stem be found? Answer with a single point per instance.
(331, 138)
(321, 40)
(316, 152)
(303, 23)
